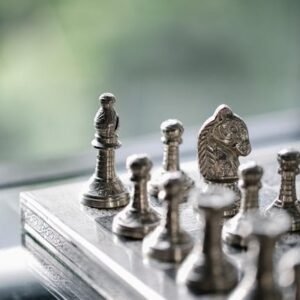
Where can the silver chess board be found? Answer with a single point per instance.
(80, 257)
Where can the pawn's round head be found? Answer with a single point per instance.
(172, 130)
(289, 160)
(250, 174)
(171, 186)
(139, 166)
(107, 100)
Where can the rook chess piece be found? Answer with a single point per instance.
(137, 219)
(168, 242)
(259, 281)
(207, 270)
(105, 189)
(221, 140)
(287, 199)
(250, 183)
(172, 131)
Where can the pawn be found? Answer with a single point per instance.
(287, 199)
(259, 281)
(168, 242)
(250, 175)
(172, 131)
(207, 270)
(137, 219)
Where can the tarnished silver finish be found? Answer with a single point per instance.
(289, 273)
(221, 140)
(250, 175)
(105, 189)
(259, 280)
(172, 131)
(138, 218)
(169, 242)
(207, 270)
(287, 199)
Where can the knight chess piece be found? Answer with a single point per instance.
(105, 189)
(138, 218)
(250, 175)
(221, 140)
(172, 131)
(207, 270)
(259, 281)
(169, 242)
(287, 199)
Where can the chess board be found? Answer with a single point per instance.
(80, 258)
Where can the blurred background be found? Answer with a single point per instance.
(161, 59)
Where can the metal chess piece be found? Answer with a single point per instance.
(168, 242)
(289, 273)
(207, 270)
(172, 131)
(259, 280)
(137, 219)
(287, 199)
(250, 175)
(105, 189)
(221, 140)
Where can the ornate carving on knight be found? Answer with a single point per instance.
(105, 189)
(221, 140)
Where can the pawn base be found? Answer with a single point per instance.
(159, 246)
(105, 194)
(188, 184)
(292, 208)
(134, 224)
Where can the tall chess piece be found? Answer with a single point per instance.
(172, 131)
(250, 175)
(287, 199)
(207, 270)
(138, 218)
(221, 140)
(105, 189)
(259, 281)
(169, 242)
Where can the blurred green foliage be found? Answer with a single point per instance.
(161, 59)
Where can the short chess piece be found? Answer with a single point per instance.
(169, 242)
(289, 161)
(105, 189)
(138, 218)
(221, 140)
(289, 273)
(207, 270)
(259, 280)
(172, 131)
(250, 175)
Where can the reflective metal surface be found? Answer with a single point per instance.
(172, 131)
(105, 189)
(221, 140)
(250, 175)
(289, 161)
(138, 218)
(169, 242)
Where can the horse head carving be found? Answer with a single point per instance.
(221, 140)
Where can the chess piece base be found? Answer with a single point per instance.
(201, 279)
(133, 224)
(292, 208)
(105, 194)
(158, 245)
(188, 183)
(234, 232)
